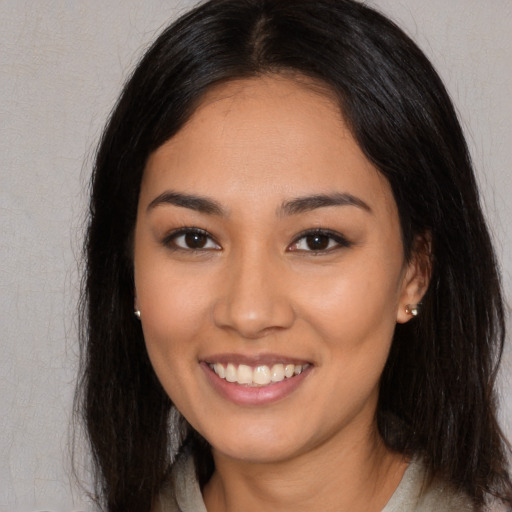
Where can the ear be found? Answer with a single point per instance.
(136, 310)
(416, 277)
(135, 301)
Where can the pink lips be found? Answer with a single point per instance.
(248, 395)
(255, 360)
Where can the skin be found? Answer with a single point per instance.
(256, 289)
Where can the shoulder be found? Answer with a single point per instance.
(442, 498)
(181, 493)
(166, 500)
(413, 494)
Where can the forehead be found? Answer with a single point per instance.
(284, 88)
(275, 136)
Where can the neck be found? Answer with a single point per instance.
(356, 473)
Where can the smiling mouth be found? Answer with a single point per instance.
(258, 376)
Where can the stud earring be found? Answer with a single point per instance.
(137, 313)
(412, 309)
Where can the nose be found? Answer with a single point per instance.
(254, 299)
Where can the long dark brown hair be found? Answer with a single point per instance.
(437, 394)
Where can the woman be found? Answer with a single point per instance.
(284, 197)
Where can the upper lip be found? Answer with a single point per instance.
(254, 360)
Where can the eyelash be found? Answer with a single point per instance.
(170, 240)
(331, 236)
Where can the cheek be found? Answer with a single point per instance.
(355, 304)
(172, 317)
(171, 309)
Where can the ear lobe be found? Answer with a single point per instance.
(136, 310)
(135, 303)
(416, 278)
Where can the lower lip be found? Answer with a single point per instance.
(257, 395)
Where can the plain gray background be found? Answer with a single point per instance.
(62, 64)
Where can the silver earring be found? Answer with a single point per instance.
(412, 309)
(137, 313)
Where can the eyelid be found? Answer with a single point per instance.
(170, 237)
(341, 240)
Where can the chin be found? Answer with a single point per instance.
(258, 446)
(257, 454)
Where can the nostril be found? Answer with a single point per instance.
(254, 318)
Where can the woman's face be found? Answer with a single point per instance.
(269, 271)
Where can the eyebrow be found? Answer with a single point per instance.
(308, 203)
(292, 207)
(190, 201)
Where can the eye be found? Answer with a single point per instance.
(191, 239)
(318, 241)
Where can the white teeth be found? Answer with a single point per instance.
(244, 374)
(259, 376)
(231, 373)
(219, 370)
(277, 373)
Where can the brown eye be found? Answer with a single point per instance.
(195, 240)
(191, 239)
(317, 242)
